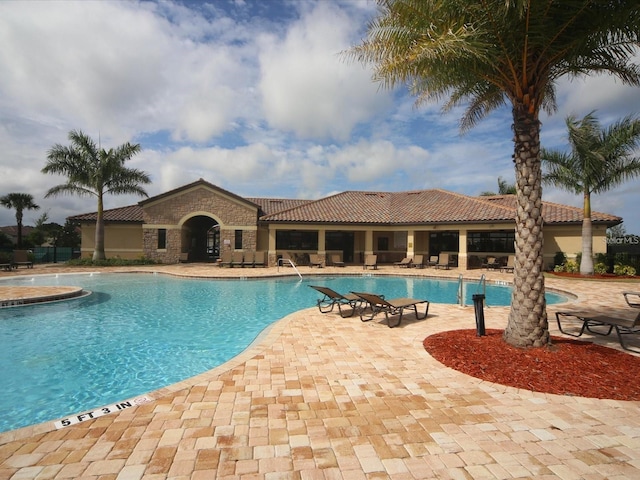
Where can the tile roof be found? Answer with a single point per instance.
(132, 213)
(557, 213)
(385, 208)
(270, 206)
(422, 206)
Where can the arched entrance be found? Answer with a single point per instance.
(201, 238)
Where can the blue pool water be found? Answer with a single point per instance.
(139, 332)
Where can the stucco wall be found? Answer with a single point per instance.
(120, 240)
(568, 239)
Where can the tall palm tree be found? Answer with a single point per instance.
(94, 171)
(600, 159)
(489, 53)
(21, 202)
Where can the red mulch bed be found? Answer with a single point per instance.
(567, 367)
(595, 276)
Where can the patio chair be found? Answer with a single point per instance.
(632, 299)
(225, 258)
(258, 259)
(21, 258)
(418, 261)
(491, 263)
(370, 261)
(511, 261)
(443, 261)
(248, 259)
(433, 261)
(315, 261)
(332, 298)
(405, 262)
(394, 307)
(287, 260)
(626, 322)
(336, 261)
(236, 258)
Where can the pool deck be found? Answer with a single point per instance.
(322, 397)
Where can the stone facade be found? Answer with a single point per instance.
(173, 212)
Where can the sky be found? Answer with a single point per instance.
(256, 97)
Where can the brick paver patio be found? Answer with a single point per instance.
(322, 397)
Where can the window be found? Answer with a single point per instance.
(383, 244)
(238, 240)
(162, 238)
(491, 242)
(443, 242)
(296, 240)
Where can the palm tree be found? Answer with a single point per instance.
(95, 172)
(21, 202)
(599, 160)
(504, 188)
(489, 53)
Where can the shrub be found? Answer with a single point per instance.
(600, 268)
(111, 262)
(620, 269)
(572, 266)
(569, 266)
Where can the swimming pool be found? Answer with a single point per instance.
(139, 332)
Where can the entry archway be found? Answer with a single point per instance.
(201, 238)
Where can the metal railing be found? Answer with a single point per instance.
(483, 283)
(282, 261)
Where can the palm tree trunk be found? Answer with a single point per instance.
(586, 261)
(19, 223)
(98, 251)
(527, 325)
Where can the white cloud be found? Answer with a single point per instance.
(308, 87)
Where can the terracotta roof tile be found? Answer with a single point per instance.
(386, 208)
(132, 213)
(423, 206)
(269, 206)
(557, 213)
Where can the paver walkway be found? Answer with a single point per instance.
(322, 397)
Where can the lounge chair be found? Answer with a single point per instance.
(226, 258)
(287, 260)
(370, 261)
(405, 262)
(433, 261)
(491, 264)
(236, 258)
(21, 258)
(6, 266)
(443, 261)
(332, 298)
(511, 263)
(418, 261)
(336, 261)
(248, 259)
(624, 321)
(258, 259)
(394, 306)
(315, 260)
(632, 299)
(184, 257)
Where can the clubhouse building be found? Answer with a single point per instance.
(199, 221)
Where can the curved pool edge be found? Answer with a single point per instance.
(262, 341)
